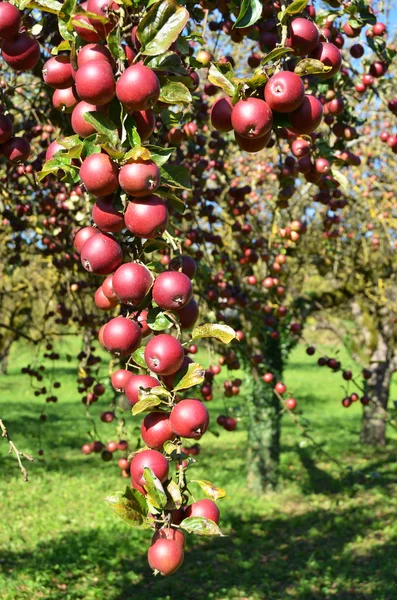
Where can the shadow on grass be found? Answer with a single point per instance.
(302, 556)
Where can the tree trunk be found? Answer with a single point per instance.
(373, 430)
(4, 355)
(264, 426)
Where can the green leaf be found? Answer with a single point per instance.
(256, 81)
(296, 7)
(137, 153)
(216, 77)
(50, 6)
(146, 404)
(250, 13)
(194, 375)
(169, 62)
(65, 45)
(114, 44)
(175, 176)
(65, 21)
(210, 490)
(170, 447)
(223, 333)
(157, 320)
(91, 146)
(200, 526)
(342, 180)
(161, 26)
(275, 55)
(174, 493)
(174, 201)
(175, 92)
(159, 155)
(154, 488)
(138, 357)
(131, 131)
(70, 141)
(103, 125)
(311, 66)
(131, 506)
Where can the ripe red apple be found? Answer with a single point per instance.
(131, 282)
(139, 178)
(65, 100)
(99, 175)
(156, 429)
(189, 418)
(252, 118)
(189, 314)
(145, 122)
(79, 124)
(164, 354)
(303, 36)
(291, 403)
(307, 117)
(230, 424)
(330, 56)
(95, 82)
(285, 92)
(146, 218)
(103, 302)
(204, 508)
(57, 72)
(185, 264)
(82, 236)
(169, 533)
(16, 150)
(280, 387)
(101, 254)
(103, 8)
(153, 460)
(122, 336)
(120, 379)
(21, 52)
(106, 216)
(135, 382)
(172, 290)
(86, 34)
(253, 145)
(107, 287)
(93, 52)
(10, 20)
(165, 556)
(221, 114)
(6, 127)
(138, 88)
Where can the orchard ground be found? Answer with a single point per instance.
(325, 534)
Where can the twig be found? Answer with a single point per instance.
(18, 453)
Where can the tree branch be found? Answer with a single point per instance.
(13, 448)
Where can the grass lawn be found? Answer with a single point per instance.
(324, 534)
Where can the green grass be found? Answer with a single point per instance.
(323, 535)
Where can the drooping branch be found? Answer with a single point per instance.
(13, 448)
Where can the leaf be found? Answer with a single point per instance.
(194, 375)
(342, 180)
(295, 7)
(210, 490)
(91, 146)
(311, 66)
(137, 153)
(114, 44)
(138, 357)
(200, 526)
(175, 92)
(145, 404)
(223, 333)
(155, 491)
(216, 77)
(50, 6)
(173, 201)
(250, 13)
(103, 125)
(256, 81)
(175, 494)
(169, 62)
(157, 320)
(175, 176)
(161, 26)
(64, 21)
(131, 506)
(159, 155)
(70, 141)
(131, 131)
(65, 45)
(275, 54)
(169, 447)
